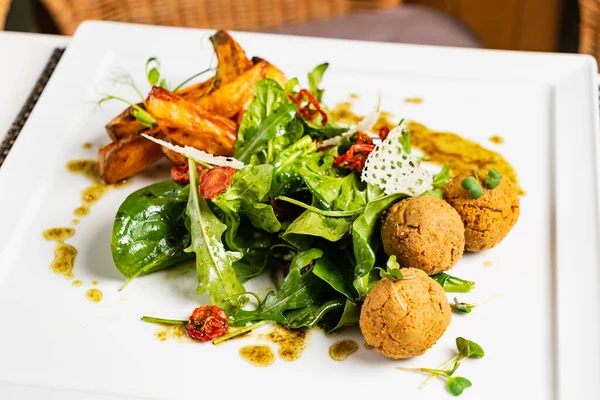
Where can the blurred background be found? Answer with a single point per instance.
(539, 25)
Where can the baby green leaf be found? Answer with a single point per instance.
(441, 178)
(453, 284)
(290, 86)
(314, 80)
(392, 271)
(152, 73)
(469, 349)
(457, 384)
(473, 186)
(493, 179)
(462, 307)
(143, 117)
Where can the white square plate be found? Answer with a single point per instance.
(541, 335)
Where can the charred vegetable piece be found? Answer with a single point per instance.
(232, 60)
(128, 156)
(191, 125)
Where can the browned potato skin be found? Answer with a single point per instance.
(124, 125)
(229, 99)
(190, 124)
(175, 158)
(128, 156)
(232, 60)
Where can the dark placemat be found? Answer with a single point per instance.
(17, 125)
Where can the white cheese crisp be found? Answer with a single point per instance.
(199, 155)
(394, 170)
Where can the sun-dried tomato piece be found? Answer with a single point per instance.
(363, 138)
(180, 173)
(207, 323)
(214, 181)
(383, 132)
(305, 111)
(354, 159)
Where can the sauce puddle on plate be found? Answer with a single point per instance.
(342, 349)
(174, 332)
(94, 295)
(260, 355)
(290, 342)
(64, 254)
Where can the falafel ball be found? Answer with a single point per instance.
(403, 319)
(487, 219)
(423, 232)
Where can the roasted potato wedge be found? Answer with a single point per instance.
(196, 91)
(124, 125)
(190, 124)
(232, 60)
(128, 156)
(175, 158)
(229, 99)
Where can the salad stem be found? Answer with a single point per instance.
(163, 321)
(190, 78)
(325, 213)
(238, 332)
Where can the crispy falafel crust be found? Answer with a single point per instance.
(423, 232)
(487, 219)
(403, 319)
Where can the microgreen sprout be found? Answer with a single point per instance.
(473, 186)
(442, 177)
(238, 332)
(493, 179)
(153, 74)
(455, 384)
(453, 284)
(392, 271)
(467, 307)
(138, 112)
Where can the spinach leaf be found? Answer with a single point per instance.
(214, 264)
(149, 231)
(309, 226)
(314, 80)
(265, 119)
(297, 291)
(350, 315)
(366, 239)
(255, 247)
(310, 316)
(319, 131)
(338, 275)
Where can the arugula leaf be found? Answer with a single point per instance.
(297, 291)
(149, 231)
(264, 120)
(214, 265)
(350, 316)
(314, 80)
(287, 163)
(366, 239)
(310, 316)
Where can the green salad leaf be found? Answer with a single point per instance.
(310, 316)
(149, 232)
(298, 290)
(350, 315)
(314, 80)
(214, 264)
(366, 239)
(265, 119)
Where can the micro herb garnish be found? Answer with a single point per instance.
(191, 78)
(493, 179)
(138, 112)
(467, 307)
(392, 271)
(163, 321)
(455, 384)
(122, 77)
(238, 332)
(153, 75)
(473, 186)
